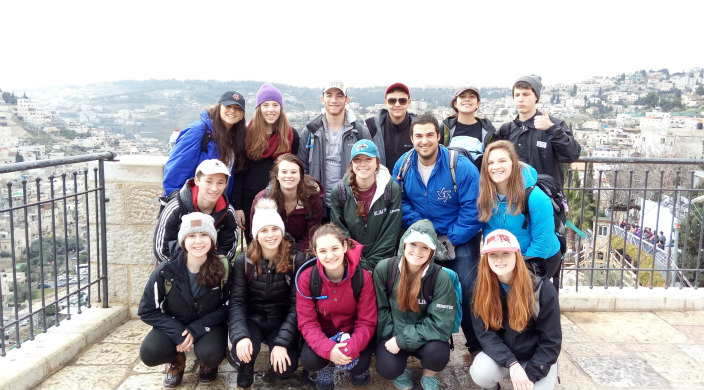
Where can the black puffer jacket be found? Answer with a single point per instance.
(166, 233)
(269, 299)
(179, 310)
(543, 150)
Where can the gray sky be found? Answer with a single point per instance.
(363, 43)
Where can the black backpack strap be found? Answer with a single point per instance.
(341, 193)
(404, 169)
(205, 141)
(371, 126)
(315, 284)
(429, 283)
(526, 210)
(387, 197)
(357, 282)
(391, 273)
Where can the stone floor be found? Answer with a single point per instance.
(600, 350)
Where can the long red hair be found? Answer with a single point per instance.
(521, 298)
(257, 140)
(409, 285)
(486, 202)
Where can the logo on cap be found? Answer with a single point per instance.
(362, 146)
(236, 96)
(196, 223)
(500, 237)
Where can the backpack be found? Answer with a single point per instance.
(551, 187)
(342, 195)
(454, 156)
(316, 282)
(428, 286)
(168, 283)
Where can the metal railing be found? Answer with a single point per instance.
(617, 199)
(53, 242)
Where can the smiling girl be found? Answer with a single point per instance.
(269, 135)
(516, 319)
(322, 319)
(501, 203)
(369, 208)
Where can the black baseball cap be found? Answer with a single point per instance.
(232, 97)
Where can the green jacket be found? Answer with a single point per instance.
(413, 330)
(380, 232)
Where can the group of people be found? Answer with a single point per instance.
(363, 238)
(646, 233)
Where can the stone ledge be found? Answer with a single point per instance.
(630, 299)
(25, 367)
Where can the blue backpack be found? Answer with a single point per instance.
(428, 287)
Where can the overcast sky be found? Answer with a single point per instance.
(362, 43)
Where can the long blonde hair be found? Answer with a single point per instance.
(487, 200)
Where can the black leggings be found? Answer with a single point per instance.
(548, 268)
(258, 335)
(157, 348)
(312, 362)
(434, 356)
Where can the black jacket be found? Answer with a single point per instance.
(166, 233)
(538, 344)
(179, 310)
(268, 300)
(392, 140)
(543, 150)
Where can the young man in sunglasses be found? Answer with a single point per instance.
(464, 122)
(390, 129)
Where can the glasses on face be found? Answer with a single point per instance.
(401, 101)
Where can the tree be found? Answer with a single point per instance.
(700, 90)
(691, 243)
(581, 205)
(574, 91)
(19, 158)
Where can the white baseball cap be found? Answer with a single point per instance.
(209, 167)
(500, 240)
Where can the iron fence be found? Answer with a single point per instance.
(53, 244)
(619, 201)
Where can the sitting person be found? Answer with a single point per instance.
(203, 193)
(263, 298)
(338, 322)
(299, 199)
(186, 303)
(516, 319)
(408, 324)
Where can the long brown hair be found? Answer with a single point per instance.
(282, 259)
(409, 285)
(213, 270)
(355, 187)
(257, 140)
(330, 229)
(487, 200)
(306, 188)
(521, 298)
(228, 142)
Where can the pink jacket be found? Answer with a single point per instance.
(339, 312)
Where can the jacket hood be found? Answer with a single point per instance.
(530, 175)
(206, 119)
(423, 226)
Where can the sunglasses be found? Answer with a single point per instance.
(401, 101)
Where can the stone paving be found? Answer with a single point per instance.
(600, 350)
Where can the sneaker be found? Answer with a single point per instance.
(245, 377)
(429, 383)
(324, 380)
(361, 379)
(207, 375)
(404, 381)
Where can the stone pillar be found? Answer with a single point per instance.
(132, 185)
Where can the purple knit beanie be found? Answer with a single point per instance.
(269, 92)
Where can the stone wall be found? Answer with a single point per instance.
(132, 185)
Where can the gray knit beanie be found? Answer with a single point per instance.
(196, 222)
(535, 81)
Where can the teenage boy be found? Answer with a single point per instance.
(203, 193)
(464, 122)
(541, 140)
(429, 191)
(328, 140)
(391, 127)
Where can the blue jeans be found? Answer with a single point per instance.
(466, 263)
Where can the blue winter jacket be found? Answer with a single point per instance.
(453, 214)
(186, 155)
(538, 239)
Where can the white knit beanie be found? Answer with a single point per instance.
(196, 222)
(265, 214)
